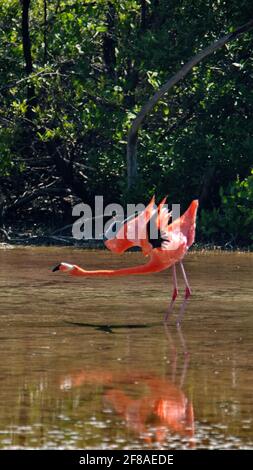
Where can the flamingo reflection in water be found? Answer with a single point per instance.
(163, 407)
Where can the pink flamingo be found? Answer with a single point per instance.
(166, 251)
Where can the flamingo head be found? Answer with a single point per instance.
(64, 267)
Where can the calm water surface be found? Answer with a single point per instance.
(88, 363)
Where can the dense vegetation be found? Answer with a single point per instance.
(73, 76)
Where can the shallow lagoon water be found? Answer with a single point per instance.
(87, 363)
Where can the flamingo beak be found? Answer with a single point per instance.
(64, 267)
(56, 268)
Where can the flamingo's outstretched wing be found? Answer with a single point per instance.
(186, 224)
(133, 232)
(137, 231)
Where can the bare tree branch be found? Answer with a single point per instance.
(26, 198)
(42, 73)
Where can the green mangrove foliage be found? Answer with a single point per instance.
(75, 73)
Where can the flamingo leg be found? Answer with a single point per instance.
(186, 355)
(186, 295)
(175, 292)
(174, 352)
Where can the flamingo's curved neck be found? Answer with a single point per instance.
(142, 269)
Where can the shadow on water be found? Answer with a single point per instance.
(109, 328)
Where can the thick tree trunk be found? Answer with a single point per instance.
(132, 159)
(206, 185)
(27, 56)
(149, 105)
(109, 41)
(143, 15)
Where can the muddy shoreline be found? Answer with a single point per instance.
(45, 241)
(45, 236)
